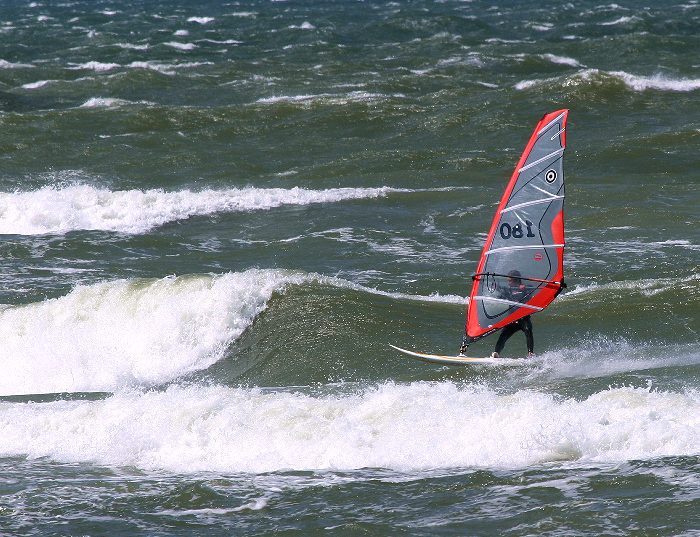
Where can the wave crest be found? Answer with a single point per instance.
(630, 81)
(115, 335)
(84, 207)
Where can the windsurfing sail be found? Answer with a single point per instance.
(521, 269)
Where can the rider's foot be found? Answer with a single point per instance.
(494, 355)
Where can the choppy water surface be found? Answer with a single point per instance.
(216, 215)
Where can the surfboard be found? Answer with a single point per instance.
(459, 360)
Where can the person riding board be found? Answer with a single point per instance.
(515, 291)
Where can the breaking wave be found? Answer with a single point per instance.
(408, 427)
(631, 81)
(83, 207)
(115, 335)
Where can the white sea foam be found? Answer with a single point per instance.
(132, 46)
(165, 68)
(255, 505)
(108, 102)
(115, 335)
(509, 41)
(112, 335)
(306, 25)
(435, 297)
(633, 82)
(180, 46)
(4, 64)
(221, 41)
(95, 66)
(603, 358)
(646, 286)
(37, 84)
(329, 98)
(201, 20)
(404, 427)
(561, 60)
(76, 207)
(580, 77)
(618, 21)
(657, 82)
(526, 84)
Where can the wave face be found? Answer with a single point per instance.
(129, 333)
(124, 334)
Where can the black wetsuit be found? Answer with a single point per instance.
(524, 324)
(516, 294)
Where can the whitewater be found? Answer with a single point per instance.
(418, 426)
(84, 207)
(140, 333)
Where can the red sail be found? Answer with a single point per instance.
(521, 269)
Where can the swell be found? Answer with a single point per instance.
(122, 334)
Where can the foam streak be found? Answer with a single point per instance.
(59, 210)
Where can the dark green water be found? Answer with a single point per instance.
(216, 216)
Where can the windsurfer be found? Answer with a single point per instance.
(515, 290)
(526, 233)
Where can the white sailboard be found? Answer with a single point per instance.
(459, 359)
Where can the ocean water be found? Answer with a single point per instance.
(216, 216)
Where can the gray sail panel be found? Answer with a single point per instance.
(524, 236)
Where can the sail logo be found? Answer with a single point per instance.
(516, 231)
(550, 176)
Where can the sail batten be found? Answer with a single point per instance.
(557, 134)
(525, 247)
(542, 190)
(533, 202)
(504, 301)
(541, 160)
(521, 268)
(560, 116)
